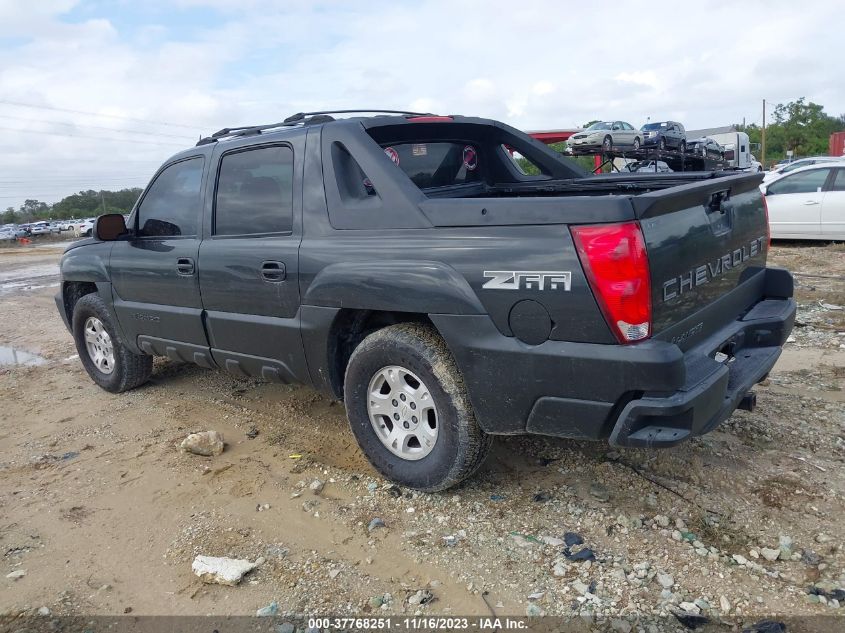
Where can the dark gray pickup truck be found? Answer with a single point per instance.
(408, 265)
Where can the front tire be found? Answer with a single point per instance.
(103, 353)
(607, 144)
(683, 147)
(408, 408)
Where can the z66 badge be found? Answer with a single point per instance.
(527, 280)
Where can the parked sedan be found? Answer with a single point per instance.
(645, 166)
(786, 168)
(17, 231)
(665, 135)
(607, 136)
(85, 227)
(808, 203)
(706, 147)
(41, 228)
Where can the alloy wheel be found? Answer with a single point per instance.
(402, 412)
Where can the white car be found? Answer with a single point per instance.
(808, 203)
(41, 228)
(84, 227)
(798, 164)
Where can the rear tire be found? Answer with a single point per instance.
(662, 144)
(103, 353)
(420, 366)
(683, 147)
(636, 144)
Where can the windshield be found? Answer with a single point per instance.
(601, 125)
(798, 164)
(653, 126)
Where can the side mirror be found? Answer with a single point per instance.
(109, 227)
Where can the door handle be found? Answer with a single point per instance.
(810, 202)
(185, 266)
(273, 271)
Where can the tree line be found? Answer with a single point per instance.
(800, 126)
(84, 204)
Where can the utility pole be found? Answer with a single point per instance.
(763, 138)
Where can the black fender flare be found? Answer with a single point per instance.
(425, 287)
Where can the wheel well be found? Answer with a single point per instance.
(350, 327)
(72, 292)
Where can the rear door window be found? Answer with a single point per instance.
(437, 164)
(255, 192)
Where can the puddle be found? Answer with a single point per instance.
(26, 273)
(12, 356)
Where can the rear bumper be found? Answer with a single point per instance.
(713, 388)
(648, 394)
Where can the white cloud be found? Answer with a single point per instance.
(536, 65)
(641, 78)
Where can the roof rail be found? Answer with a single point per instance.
(246, 130)
(300, 118)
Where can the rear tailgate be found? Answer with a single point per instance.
(706, 244)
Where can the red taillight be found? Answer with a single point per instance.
(768, 228)
(616, 263)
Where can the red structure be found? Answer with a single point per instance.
(552, 136)
(837, 144)
(558, 136)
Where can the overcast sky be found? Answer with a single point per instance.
(75, 75)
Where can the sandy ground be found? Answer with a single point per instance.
(105, 515)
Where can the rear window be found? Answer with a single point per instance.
(437, 164)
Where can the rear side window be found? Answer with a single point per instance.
(524, 165)
(838, 181)
(437, 164)
(802, 182)
(171, 205)
(352, 183)
(255, 192)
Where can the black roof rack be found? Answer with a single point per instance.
(300, 118)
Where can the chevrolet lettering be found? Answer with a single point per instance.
(700, 275)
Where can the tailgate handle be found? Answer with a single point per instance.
(718, 201)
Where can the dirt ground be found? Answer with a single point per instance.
(105, 514)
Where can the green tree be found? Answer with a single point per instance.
(31, 209)
(91, 203)
(8, 216)
(800, 126)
